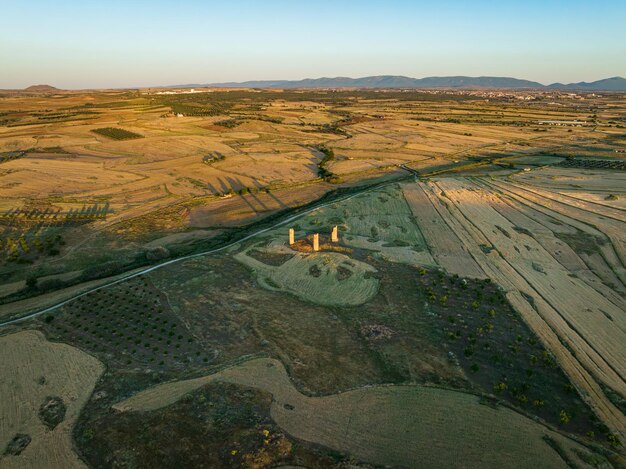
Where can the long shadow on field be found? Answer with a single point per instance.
(211, 187)
(280, 203)
(254, 196)
(223, 185)
(259, 201)
(237, 184)
(316, 157)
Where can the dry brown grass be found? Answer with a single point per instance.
(390, 425)
(32, 370)
(553, 285)
(159, 186)
(443, 243)
(326, 278)
(144, 178)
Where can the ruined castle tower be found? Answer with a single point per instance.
(334, 235)
(292, 236)
(316, 242)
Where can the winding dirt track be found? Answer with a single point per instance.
(137, 273)
(555, 305)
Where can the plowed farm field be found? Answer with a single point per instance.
(560, 258)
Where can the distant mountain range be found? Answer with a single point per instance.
(393, 81)
(396, 81)
(608, 84)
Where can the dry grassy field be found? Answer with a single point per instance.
(471, 314)
(224, 158)
(388, 425)
(326, 278)
(34, 372)
(560, 258)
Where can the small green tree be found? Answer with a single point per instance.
(31, 282)
(614, 440)
(498, 387)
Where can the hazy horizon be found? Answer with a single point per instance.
(77, 45)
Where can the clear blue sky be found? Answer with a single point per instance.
(115, 43)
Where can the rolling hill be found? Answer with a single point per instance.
(41, 89)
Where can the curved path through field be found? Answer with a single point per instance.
(139, 272)
(388, 425)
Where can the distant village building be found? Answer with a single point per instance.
(574, 123)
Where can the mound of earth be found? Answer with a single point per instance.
(157, 253)
(41, 88)
(325, 278)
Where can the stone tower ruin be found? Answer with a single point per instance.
(292, 236)
(334, 235)
(316, 242)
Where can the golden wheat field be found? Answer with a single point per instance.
(528, 239)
